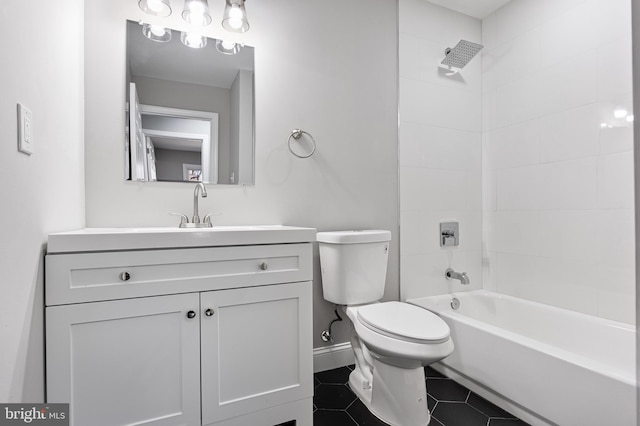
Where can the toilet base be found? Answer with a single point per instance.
(397, 396)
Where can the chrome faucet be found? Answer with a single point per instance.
(199, 188)
(195, 220)
(453, 275)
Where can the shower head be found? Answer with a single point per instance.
(461, 54)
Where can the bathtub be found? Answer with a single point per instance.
(546, 365)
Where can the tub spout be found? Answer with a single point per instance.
(453, 275)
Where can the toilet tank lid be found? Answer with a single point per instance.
(354, 237)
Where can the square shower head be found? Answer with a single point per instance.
(461, 54)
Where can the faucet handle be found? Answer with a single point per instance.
(184, 219)
(207, 218)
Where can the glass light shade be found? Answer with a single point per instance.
(227, 47)
(195, 41)
(160, 8)
(156, 32)
(235, 17)
(196, 12)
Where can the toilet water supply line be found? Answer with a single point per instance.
(326, 334)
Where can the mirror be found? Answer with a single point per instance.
(190, 111)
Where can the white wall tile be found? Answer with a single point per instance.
(567, 34)
(616, 239)
(513, 146)
(489, 179)
(616, 298)
(615, 181)
(441, 190)
(558, 186)
(613, 20)
(569, 234)
(614, 68)
(439, 148)
(436, 23)
(568, 84)
(570, 134)
(617, 139)
(519, 188)
(438, 105)
(511, 60)
(516, 232)
(569, 185)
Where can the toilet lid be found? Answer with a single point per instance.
(404, 321)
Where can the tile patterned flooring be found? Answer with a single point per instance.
(450, 403)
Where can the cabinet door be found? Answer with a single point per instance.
(127, 362)
(256, 349)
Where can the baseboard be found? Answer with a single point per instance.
(334, 356)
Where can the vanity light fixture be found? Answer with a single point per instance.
(196, 12)
(156, 32)
(160, 8)
(195, 41)
(227, 47)
(235, 17)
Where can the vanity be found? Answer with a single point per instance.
(168, 326)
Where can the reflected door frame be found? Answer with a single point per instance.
(209, 145)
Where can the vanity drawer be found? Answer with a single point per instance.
(88, 277)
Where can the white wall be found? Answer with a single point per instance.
(324, 66)
(43, 193)
(558, 188)
(440, 150)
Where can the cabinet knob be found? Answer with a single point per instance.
(264, 266)
(191, 314)
(125, 276)
(209, 312)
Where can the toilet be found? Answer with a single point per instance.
(391, 341)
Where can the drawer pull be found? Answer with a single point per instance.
(209, 312)
(191, 314)
(125, 276)
(264, 266)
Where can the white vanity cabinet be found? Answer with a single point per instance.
(216, 335)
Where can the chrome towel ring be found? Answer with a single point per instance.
(296, 134)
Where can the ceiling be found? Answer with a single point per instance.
(477, 8)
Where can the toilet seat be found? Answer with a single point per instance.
(404, 322)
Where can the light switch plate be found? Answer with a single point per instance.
(25, 130)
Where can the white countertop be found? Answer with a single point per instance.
(115, 239)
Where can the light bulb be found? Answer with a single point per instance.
(620, 112)
(235, 17)
(196, 8)
(228, 44)
(155, 5)
(157, 30)
(193, 40)
(630, 118)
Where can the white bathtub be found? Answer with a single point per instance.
(545, 364)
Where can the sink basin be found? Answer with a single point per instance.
(113, 239)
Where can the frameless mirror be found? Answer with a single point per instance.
(190, 110)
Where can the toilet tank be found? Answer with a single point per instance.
(353, 265)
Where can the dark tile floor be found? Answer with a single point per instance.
(450, 403)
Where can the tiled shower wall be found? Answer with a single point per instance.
(440, 150)
(558, 166)
(522, 147)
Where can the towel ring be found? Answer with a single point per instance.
(297, 134)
